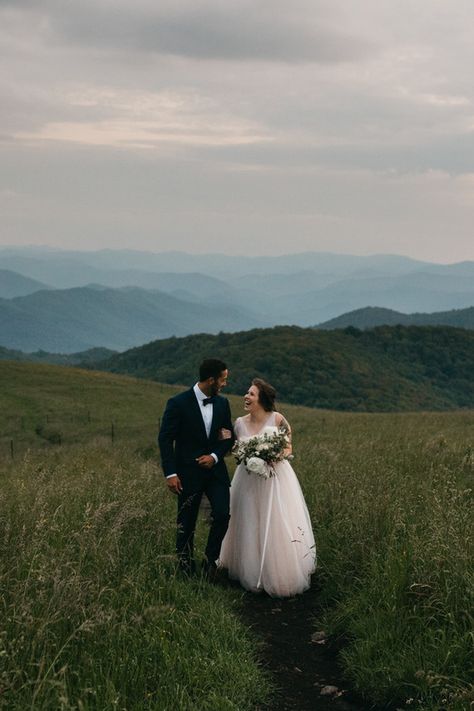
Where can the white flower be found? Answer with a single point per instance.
(270, 431)
(255, 465)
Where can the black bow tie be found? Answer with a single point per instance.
(208, 401)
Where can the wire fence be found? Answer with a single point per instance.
(20, 432)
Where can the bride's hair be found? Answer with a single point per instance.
(266, 394)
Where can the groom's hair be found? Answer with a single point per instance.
(211, 368)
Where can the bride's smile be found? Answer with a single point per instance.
(251, 401)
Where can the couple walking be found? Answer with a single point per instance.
(261, 530)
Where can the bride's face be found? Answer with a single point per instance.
(251, 403)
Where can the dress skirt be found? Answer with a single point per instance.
(269, 544)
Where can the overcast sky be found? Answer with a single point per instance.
(242, 127)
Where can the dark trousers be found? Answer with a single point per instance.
(217, 491)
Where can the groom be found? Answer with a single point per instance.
(196, 433)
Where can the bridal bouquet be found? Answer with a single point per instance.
(259, 453)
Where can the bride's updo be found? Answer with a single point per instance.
(266, 394)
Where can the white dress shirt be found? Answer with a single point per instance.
(207, 412)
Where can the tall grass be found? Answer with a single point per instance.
(93, 615)
(391, 498)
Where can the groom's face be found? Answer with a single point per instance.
(217, 384)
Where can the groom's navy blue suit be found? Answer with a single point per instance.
(182, 440)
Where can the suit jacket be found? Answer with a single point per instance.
(183, 437)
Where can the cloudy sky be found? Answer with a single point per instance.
(242, 127)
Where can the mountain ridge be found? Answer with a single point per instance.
(83, 358)
(372, 316)
(13, 284)
(217, 292)
(72, 320)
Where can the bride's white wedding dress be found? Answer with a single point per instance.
(269, 544)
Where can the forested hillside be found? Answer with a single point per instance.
(383, 369)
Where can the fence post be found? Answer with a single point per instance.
(112, 432)
(12, 450)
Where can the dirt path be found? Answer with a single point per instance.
(301, 668)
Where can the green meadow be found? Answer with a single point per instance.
(95, 617)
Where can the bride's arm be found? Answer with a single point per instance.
(282, 423)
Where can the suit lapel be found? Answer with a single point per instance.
(197, 412)
(215, 414)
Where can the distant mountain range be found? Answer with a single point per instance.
(46, 264)
(71, 320)
(84, 358)
(383, 369)
(122, 298)
(373, 316)
(13, 284)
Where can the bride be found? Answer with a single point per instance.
(269, 544)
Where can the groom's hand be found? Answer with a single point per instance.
(174, 484)
(206, 461)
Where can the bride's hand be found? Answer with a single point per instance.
(224, 434)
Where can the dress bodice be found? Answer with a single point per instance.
(242, 431)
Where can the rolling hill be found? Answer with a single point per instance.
(384, 369)
(82, 358)
(372, 316)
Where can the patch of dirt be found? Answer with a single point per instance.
(301, 668)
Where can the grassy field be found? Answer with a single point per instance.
(94, 617)
(93, 614)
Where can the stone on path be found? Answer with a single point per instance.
(329, 690)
